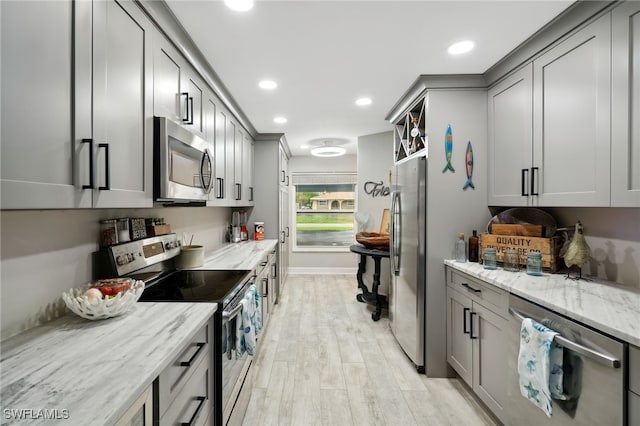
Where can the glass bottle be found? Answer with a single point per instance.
(473, 247)
(461, 249)
(490, 258)
(534, 263)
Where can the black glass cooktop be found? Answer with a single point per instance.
(195, 286)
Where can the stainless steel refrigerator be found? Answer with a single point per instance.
(408, 258)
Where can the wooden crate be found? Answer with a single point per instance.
(154, 230)
(549, 248)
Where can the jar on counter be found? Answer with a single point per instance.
(108, 232)
(490, 258)
(534, 263)
(123, 230)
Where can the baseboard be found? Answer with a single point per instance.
(323, 271)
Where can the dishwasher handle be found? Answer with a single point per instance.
(602, 358)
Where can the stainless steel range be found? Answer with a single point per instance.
(151, 260)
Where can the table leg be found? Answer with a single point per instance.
(362, 268)
(376, 283)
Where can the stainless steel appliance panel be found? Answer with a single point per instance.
(596, 369)
(407, 304)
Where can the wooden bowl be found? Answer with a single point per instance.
(373, 240)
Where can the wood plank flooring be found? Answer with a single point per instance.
(323, 361)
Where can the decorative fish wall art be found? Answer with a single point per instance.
(469, 166)
(448, 149)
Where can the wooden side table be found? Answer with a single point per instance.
(370, 297)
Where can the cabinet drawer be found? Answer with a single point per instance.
(173, 379)
(634, 369)
(480, 291)
(193, 404)
(634, 409)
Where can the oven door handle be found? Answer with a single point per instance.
(232, 313)
(602, 358)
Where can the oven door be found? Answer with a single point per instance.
(183, 165)
(235, 368)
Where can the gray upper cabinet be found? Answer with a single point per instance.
(122, 106)
(247, 170)
(571, 120)
(38, 146)
(511, 136)
(167, 81)
(193, 99)
(215, 135)
(625, 104)
(86, 140)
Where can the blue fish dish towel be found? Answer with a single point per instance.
(540, 365)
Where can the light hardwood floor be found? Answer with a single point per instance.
(323, 361)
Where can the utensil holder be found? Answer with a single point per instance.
(190, 257)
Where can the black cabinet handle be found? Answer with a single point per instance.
(90, 142)
(274, 271)
(107, 177)
(190, 121)
(195, 415)
(523, 185)
(200, 345)
(287, 184)
(469, 288)
(282, 237)
(471, 326)
(464, 320)
(251, 193)
(186, 104)
(265, 286)
(287, 228)
(533, 181)
(238, 191)
(220, 189)
(282, 174)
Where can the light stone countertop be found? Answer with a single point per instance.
(608, 307)
(238, 256)
(94, 370)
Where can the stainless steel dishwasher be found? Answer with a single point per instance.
(595, 370)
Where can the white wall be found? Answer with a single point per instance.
(45, 252)
(375, 161)
(320, 262)
(613, 234)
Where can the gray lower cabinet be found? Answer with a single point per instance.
(86, 142)
(184, 390)
(476, 337)
(625, 104)
(634, 386)
(141, 411)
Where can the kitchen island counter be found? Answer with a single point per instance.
(603, 305)
(85, 372)
(238, 256)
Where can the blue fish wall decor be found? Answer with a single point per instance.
(469, 166)
(448, 149)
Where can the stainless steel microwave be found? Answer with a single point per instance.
(183, 165)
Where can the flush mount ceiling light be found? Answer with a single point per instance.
(239, 5)
(328, 150)
(280, 120)
(363, 101)
(268, 84)
(461, 47)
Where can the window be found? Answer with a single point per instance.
(324, 208)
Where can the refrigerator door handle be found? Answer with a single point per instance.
(395, 226)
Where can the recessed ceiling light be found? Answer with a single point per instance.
(328, 151)
(268, 84)
(461, 47)
(280, 120)
(363, 101)
(304, 146)
(239, 5)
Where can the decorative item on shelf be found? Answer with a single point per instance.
(511, 260)
(138, 228)
(108, 232)
(156, 226)
(448, 149)
(461, 249)
(373, 240)
(258, 231)
(490, 260)
(534, 263)
(361, 219)
(97, 301)
(384, 223)
(549, 248)
(473, 247)
(469, 167)
(123, 230)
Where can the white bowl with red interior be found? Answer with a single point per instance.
(104, 298)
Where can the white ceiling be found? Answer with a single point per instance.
(326, 54)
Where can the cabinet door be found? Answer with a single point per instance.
(247, 170)
(38, 105)
(193, 103)
(167, 81)
(141, 412)
(215, 132)
(238, 165)
(510, 139)
(122, 106)
(571, 115)
(489, 358)
(625, 106)
(459, 342)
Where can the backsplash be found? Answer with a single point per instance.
(45, 252)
